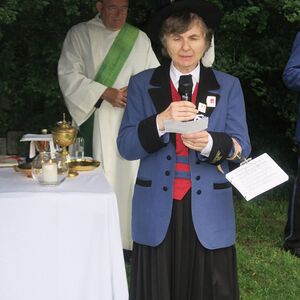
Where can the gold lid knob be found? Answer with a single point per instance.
(63, 126)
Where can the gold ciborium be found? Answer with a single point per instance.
(64, 135)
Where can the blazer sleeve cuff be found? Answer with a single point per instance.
(222, 145)
(148, 135)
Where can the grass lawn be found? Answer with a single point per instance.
(266, 272)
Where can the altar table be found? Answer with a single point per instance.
(61, 242)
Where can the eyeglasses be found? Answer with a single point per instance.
(116, 9)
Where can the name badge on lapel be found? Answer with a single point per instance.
(211, 101)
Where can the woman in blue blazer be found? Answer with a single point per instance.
(183, 216)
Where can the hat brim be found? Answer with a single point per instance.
(210, 14)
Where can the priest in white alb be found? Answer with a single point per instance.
(97, 59)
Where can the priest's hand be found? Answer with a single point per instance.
(178, 111)
(116, 97)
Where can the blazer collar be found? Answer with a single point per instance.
(207, 84)
(160, 92)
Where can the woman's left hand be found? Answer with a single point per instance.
(196, 140)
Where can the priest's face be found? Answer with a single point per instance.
(187, 48)
(113, 13)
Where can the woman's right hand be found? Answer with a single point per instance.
(178, 111)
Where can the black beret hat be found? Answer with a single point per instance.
(210, 14)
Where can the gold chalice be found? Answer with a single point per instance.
(64, 135)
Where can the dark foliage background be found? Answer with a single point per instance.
(253, 43)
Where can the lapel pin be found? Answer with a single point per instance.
(211, 101)
(202, 108)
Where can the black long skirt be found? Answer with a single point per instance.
(180, 268)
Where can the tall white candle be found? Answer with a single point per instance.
(49, 172)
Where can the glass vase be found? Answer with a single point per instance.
(49, 168)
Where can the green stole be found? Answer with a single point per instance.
(108, 73)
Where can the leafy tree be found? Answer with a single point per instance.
(31, 33)
(254, 43)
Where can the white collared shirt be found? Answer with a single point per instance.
(175, 75)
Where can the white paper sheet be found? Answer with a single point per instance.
(186, 127)
(36, 137)
(257, 176)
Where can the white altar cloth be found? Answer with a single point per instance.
(61, 242)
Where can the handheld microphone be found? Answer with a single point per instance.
(185, 87)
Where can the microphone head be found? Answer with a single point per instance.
(185, 87)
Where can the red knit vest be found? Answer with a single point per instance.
(182, 180)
